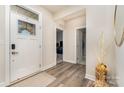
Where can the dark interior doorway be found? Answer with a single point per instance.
(81, 46)
(59, 45)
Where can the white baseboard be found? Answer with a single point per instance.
(2, 84)
(112, 80)
(82, 63)
(69, 61)
(43, 68)
(91, 77)
(49, 66)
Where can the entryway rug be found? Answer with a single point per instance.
(40, 80)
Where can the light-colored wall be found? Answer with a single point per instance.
(69, 38)
(48, 38)
(99, 18)
(2, 44)
(60, 24)
(120, 65)
(120, 50)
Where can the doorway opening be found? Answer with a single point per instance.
(59, 45)
(81, 46)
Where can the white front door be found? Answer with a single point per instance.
(25, 46)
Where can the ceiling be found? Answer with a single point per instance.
(74, 15)
(54, 9)
(57, 8)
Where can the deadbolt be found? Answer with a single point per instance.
(13, 46)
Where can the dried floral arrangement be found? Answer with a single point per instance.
(101, 69)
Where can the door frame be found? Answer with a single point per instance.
(56, 40)
(76, 28)
(7, 39)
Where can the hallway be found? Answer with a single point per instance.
(33, 55)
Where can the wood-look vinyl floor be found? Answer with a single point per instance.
(69, 75)
(65, 74)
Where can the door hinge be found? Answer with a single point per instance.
(39, 46)
(39, 65)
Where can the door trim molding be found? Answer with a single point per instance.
(75, 29)
(7, 45)
(79, 27)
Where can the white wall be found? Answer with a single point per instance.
(99, 18)
(48, 38)
(69, 38)
(60, 24)
(2, 44)
(120, 65)
(120, 50)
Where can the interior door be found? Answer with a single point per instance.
(25, 46)
(79, 47)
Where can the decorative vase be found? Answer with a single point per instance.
(101, 75)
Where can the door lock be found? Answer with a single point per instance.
(13, 53)
(13, 46)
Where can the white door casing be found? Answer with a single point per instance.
(79, 46)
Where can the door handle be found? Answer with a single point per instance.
(14, 52)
